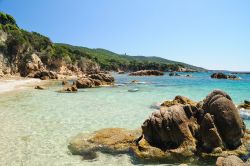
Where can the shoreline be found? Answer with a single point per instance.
(13, 83)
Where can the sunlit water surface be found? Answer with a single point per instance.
(36, 126)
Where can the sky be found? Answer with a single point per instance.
(214, 34)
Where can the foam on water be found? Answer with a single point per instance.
(36, 126)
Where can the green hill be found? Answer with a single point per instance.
(112, 61)
(17, 44)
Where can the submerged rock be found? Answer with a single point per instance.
(110, 140)
(40, 87)
(147, 73)
(69, 88)
(173, 74)
(133, 90)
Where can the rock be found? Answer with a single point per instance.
(105, 78)
(135, 81)
(69, 88)
(209, 134)
(45, 75)
(147, 73)
(229, 161)
(224, 76)
(30, 64)
(245, 105)
(226, 118)
(180, 132)
(247, 102)
(110, 140)
(173, 74)
(65, 82)
(84, 83)
(219, 76)
(171, 129)
(178, 100)
(183, 165)
(133, 90)
(95, 80)
(40, 87)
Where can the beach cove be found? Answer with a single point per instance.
(37, 125)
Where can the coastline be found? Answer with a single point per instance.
(12, 83)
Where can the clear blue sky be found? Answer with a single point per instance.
(214, 34)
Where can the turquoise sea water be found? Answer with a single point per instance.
(37, 125)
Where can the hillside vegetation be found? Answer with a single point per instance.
(16, 44)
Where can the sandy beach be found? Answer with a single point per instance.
(16, 83)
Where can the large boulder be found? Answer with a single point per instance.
(229, 161)
(105, 78)
(45, 75)
(147, 73)
(176, 133)
(226, 118)
(84, 83)
(95, 80)
(224, 76)
(171, 128)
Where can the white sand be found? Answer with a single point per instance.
(16, 84)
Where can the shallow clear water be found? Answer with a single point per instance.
(37, 125)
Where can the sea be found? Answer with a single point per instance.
(37, 125)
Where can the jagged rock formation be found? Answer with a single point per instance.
(183, 131)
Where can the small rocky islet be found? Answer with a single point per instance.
(180, 131)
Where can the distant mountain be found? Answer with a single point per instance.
(110, 60)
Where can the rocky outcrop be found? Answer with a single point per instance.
(245, 105)
(30, 64)
(230, 161)
(210, 129)
(224, 76)
(178, 100)
(219, 106)
(111, 140)
(213, 128)
(147, 73)
(95, 80)
(171, 129)
(44, 75)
